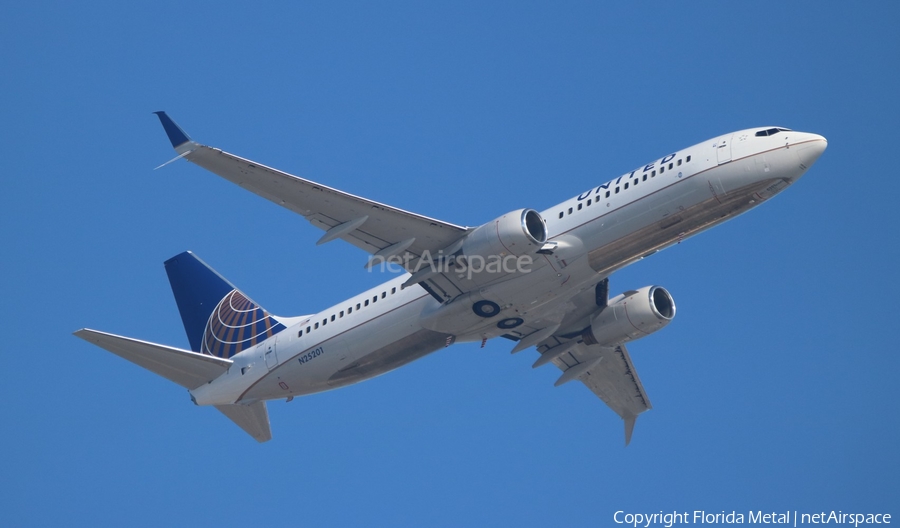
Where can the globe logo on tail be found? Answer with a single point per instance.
(236, 324)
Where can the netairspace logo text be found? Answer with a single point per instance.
(789, 518)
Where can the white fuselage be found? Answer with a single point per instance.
(598, 232)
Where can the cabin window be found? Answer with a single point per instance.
(662, 169)
(570, 210)
(341, 314)
(317, 326)
(607, 192)
(300, 333)
(635, 182)
(383, 295)
(375, 299)
(367, 302)
(579, 207)
(670, 166)
(645, 177)
(308, 329)
(349, 310)
(617, 190)
(589, 201)
(357, 305)
(626, 185)
(561, 214)
(687, 159)
(679, 163)
(393, 291)
(324, 321)
(652, 174)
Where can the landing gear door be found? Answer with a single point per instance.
(723, 150)
(271, 357)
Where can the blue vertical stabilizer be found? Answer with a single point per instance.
(219, 319)
(198, 290)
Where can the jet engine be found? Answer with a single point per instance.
(517, 233)
(630, 316)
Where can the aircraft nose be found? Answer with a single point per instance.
(811, 148)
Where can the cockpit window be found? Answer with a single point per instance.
(771, 131)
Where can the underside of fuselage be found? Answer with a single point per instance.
(677, 225)
(395, 354)
(686, 208)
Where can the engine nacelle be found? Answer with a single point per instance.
(517, 233)
(631, 316)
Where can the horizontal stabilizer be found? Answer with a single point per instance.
(186, 368)
(254, 419)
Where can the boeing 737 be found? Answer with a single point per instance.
(540, 279)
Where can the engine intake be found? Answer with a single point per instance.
(631, 316)
(516, 233)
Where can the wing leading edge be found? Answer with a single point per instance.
(374, 227)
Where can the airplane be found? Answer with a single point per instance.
(540, 279)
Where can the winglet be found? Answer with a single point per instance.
(629, 428)
(175, 133)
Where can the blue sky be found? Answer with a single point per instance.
(773, 389)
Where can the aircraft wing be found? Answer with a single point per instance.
(371, 226)
(608, 372)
